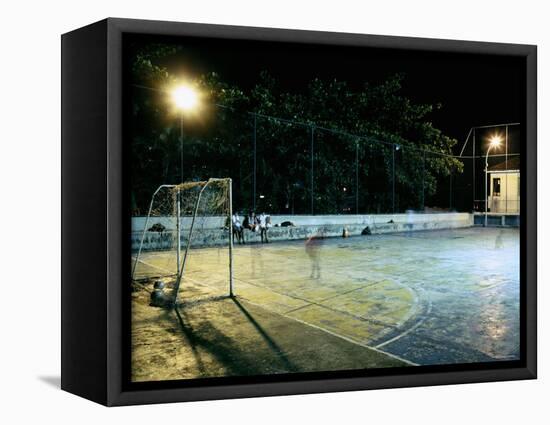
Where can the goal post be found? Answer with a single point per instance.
(184, 221)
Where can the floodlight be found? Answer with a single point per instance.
(185, 97)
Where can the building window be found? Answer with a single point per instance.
(496, 186)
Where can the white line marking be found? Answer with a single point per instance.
(155, 267)
(412, 328)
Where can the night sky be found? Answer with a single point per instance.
(472, 89)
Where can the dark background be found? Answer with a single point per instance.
(474, 90)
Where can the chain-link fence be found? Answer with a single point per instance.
(288, 167)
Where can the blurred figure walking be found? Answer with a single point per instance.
(313, 247)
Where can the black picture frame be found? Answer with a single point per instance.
(93, 180)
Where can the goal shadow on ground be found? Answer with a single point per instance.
(270, 342)
(224, 336)
(237, 357)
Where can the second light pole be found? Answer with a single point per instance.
(493, 143)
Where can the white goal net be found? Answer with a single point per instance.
(187, 229)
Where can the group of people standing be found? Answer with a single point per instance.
(251, 222)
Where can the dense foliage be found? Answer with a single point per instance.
(344, 135)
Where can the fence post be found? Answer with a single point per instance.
(474, 172)
(423, 206)
(230, 193)
(451, 189)
(506, 174)
(312, 140)
(357, 177)
(254, 167)
(393, 178)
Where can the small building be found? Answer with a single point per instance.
(504, 187)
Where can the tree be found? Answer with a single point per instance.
(327, 127)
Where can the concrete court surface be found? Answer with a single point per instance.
(434, 297)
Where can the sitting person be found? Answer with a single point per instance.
(250, 222)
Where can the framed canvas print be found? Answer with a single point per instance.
(253, 212)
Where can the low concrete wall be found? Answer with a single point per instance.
(497, 220)
(216, 222)
(211, 232)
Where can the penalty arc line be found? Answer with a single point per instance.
(412, 328)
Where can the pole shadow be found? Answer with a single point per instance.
(287, 364)
(205, 338)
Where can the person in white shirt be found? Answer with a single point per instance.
(237, 229)
(264, 224)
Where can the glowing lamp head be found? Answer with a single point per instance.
(185, 98)
(495, 141)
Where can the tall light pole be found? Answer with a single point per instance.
(493, 143)
(185, 99)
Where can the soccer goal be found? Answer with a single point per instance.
(186, 236)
